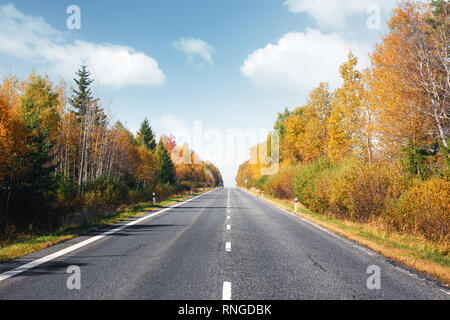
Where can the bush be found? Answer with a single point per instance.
(305, 179)
(358, 191)
(280, 185)
(373, 188)
(185, 186)
(425, 209)
(66, 192)
(261, 184)
(331, 189)
(163, 192)
(351, 189)
(140, 195)
(105, 192)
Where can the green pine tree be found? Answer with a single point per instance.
(166, 168)
(415, 160)
(82, 98)
(146, 137)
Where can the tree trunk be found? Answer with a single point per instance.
(5, 224)
(440, 128)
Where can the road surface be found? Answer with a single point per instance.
(226, 244)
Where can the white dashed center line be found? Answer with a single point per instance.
(226, 292)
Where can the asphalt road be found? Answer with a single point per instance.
(224, 244)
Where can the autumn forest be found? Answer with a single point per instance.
(62, 161)
(376, 149)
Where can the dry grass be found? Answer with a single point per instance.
(415, 251)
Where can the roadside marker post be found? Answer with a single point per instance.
(154, 199)
(296, 204)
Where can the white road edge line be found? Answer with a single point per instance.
(226, 292)
(228, 247)
(53, 256)
(409, 273)
(228, 227)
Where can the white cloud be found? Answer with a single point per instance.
(300, 61)
(171, 124)
(334, 13)
(194, 47)
(32, 39)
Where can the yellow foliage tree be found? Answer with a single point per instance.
(409, 78)
(345, 125)
(6, 131)
(12, 129)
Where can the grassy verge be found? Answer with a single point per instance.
(414, 251)
(25, 245)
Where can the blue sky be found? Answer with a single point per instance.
(230, 64)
